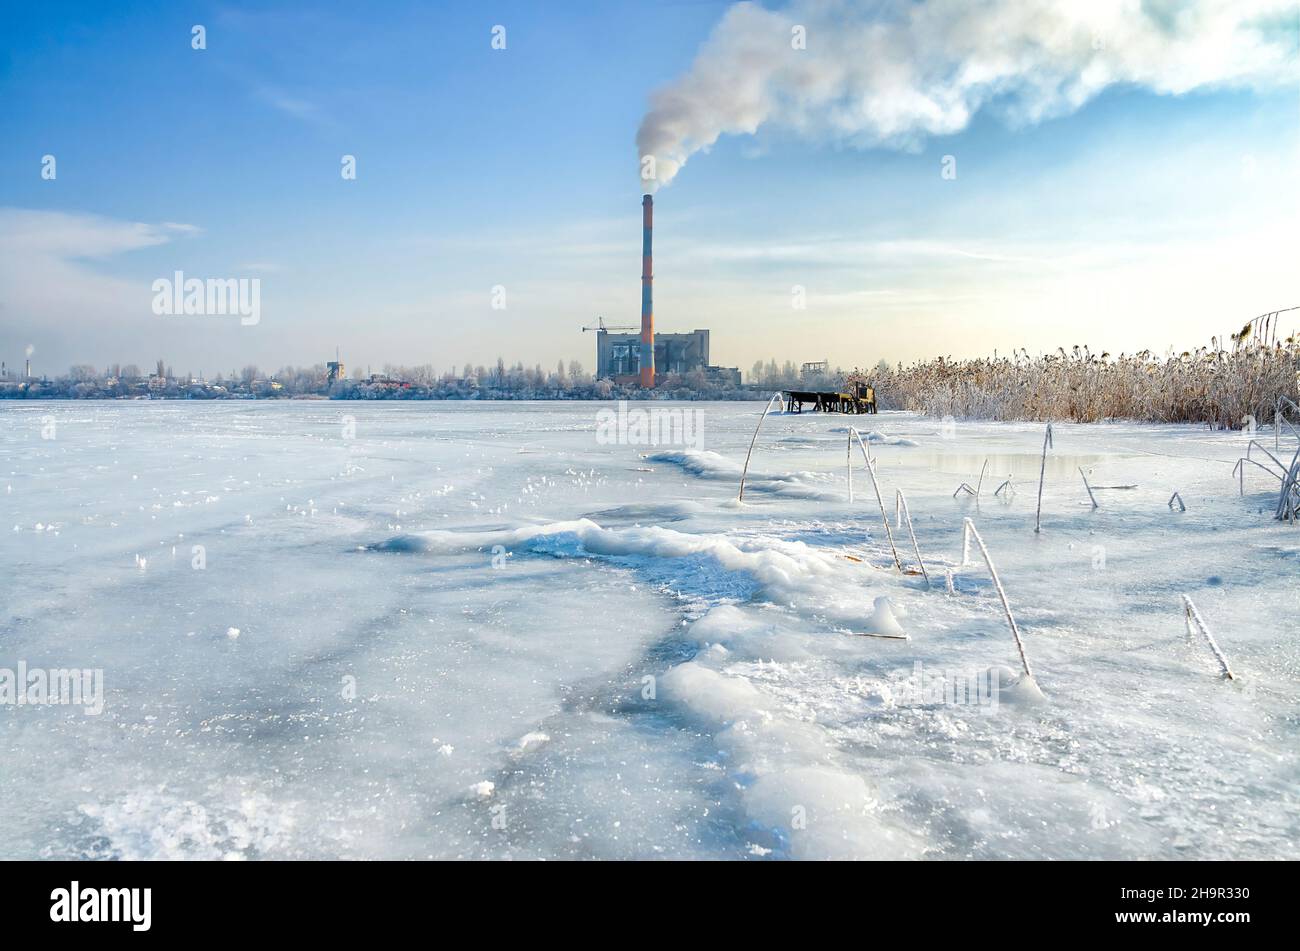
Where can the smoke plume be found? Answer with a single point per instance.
(892, 72)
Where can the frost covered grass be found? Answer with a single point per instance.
(405, 638)
(1222, 388)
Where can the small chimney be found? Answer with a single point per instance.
(27, 372)
(647, 294)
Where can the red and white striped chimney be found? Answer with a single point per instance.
(647, 294)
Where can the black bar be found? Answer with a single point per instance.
(965, 901)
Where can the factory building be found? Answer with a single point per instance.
(619, 354)
(645, 358)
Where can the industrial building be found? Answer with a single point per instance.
(619, 354)
(625, 356)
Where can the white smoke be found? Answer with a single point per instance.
(891, 72)
(30, 349)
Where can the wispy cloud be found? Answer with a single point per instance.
(852, 252)
(51, 293)
(292, 105)
(64, 235)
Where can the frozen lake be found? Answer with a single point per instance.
(343, 629)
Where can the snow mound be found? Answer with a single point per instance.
(531, 741)
(799, 801)
(706, 464)
(1017, 689)
(876, 437)
(781, 569)
(884, 618)
(712, 695)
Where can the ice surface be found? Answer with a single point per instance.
(356, 630)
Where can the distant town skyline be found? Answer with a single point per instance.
(426, 189)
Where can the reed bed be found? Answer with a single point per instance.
(1223, 388)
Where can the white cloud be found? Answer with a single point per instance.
(893, 73)
(53, 287)
(295, 106)
(62, 235)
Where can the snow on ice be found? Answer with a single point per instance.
(420, 641)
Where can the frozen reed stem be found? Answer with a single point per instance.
(776, 397)
(900, 499)
(1042, 472)
(1288, 501)
(968, 532)
(1254, 444)
(1195, 621)
(978, 487)
(871, 471)
(1091, 497)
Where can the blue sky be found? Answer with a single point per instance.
(1140, 220)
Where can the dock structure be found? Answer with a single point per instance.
(861, 400)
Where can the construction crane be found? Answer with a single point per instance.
(600, 326)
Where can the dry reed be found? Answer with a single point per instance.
(776, 398)
(871, 471)
(1196, 622)
(968, 532)
(1223, 388)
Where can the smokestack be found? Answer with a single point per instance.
(27, 373)
(647, 294)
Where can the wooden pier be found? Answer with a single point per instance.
(862, 400)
